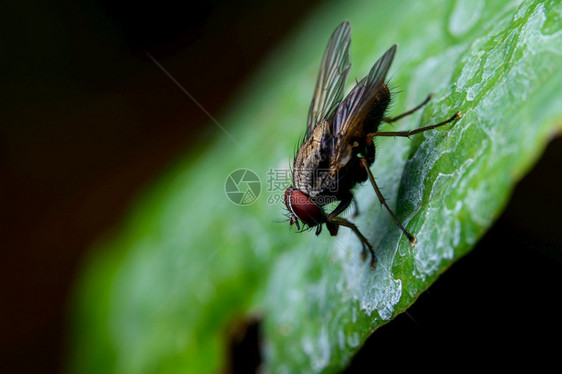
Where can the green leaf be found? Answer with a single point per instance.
(188, 264)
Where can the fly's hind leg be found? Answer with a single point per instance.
(394, 119)
(409, 133)
(416, 131)
(366, 245)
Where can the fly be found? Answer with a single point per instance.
(338, 149)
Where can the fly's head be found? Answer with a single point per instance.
(301, 207)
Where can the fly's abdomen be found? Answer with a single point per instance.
(378, 108)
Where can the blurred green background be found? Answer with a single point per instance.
(88, 121)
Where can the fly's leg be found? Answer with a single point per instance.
(369, 142)
(366, 245)
(394, 119)
(409, 133)
(383, 202)
(355, 208)
(412, 132)
(345, 200)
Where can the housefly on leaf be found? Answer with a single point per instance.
(338, 149)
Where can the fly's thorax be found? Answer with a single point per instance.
(317, 183)
(311, 152)
(311, 173)
(347, 154)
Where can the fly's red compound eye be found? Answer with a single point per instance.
(301, 207)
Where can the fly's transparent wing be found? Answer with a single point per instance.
(332, 77)
(353, 110)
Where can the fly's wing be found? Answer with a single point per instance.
(332, 77)
(352, 111)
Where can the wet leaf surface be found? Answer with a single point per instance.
(187, 263)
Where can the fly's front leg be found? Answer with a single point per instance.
(345, 200)
(366, 245)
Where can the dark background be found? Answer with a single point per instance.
(87, 120)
